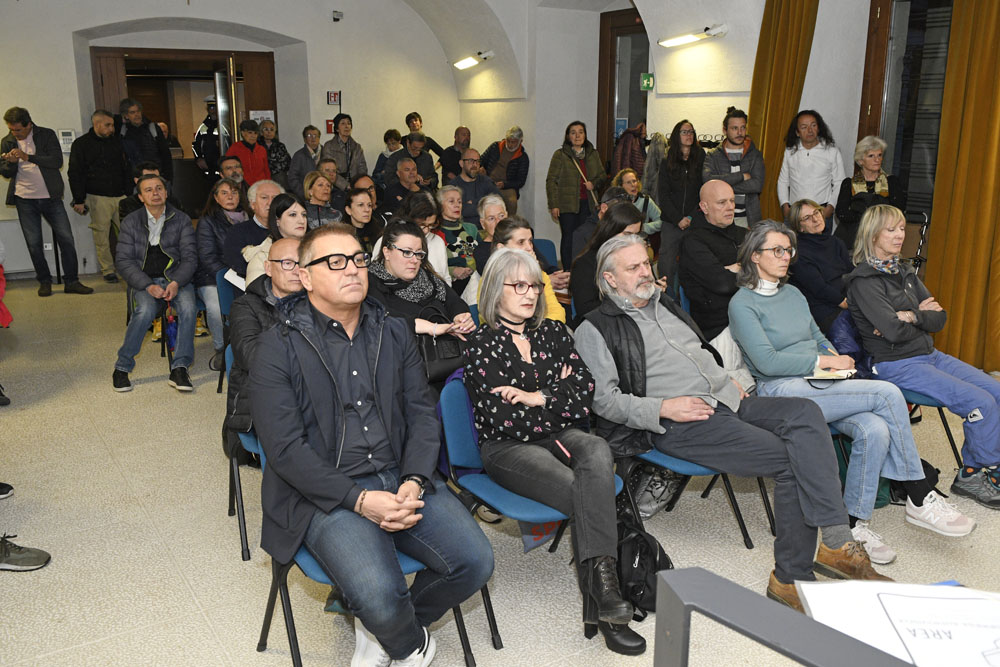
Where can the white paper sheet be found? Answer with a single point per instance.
(925, 625)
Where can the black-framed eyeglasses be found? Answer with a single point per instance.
(521, 287)
(779, 252)
(286, 264)
(470, 159)
(338, 261)
(407, 253)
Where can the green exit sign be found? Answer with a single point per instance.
(646, 81)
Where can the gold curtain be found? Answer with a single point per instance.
(779, 72)
(963, 267)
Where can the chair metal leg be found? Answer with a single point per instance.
(491, 618)
(279, 574)
(767, 505)
(463, 636)
(286, 608)
(951, 438)
(222, 376)
(237, 493)
(736, 510)
(232, 488)
(838, 440)
(708, 489)
(559, 533)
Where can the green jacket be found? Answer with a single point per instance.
(562, 185)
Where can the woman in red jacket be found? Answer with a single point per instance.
(252, 155)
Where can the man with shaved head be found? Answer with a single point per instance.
(474, 185)
(254, 312)
(708, 264)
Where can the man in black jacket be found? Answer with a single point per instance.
(142, 138)
(341, 406)
(99, 180)
(157, 256)
(252, 314)
(708, 258)
(30, 156)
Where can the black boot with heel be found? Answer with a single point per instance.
(605, 610)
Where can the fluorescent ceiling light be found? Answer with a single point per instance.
(714, 31)
(466, 63)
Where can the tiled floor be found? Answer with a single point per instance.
(128, 493)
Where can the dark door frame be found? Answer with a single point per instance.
(613, 25)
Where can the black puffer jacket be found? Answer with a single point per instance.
(211, 233)
(176, 240)
(678, 190)
(705, 253)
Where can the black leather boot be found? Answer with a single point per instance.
(604, 592)
(622, 639)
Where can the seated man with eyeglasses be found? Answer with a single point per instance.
(256, 311)
(474, 185)
(340, 402)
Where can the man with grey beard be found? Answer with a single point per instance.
(659, 383)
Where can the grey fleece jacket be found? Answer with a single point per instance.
(875, 298)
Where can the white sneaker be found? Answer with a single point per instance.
(367, 651)
(940, 516)
(879, 552)
(422, 657)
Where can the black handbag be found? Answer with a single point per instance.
(442, 355)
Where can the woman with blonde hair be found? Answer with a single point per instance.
(896, 315)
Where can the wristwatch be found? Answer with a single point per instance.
(419, 482)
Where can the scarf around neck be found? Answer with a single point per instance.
(890, 266)
(414, 291)
(859, 184)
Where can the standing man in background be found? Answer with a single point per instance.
(142, 138)
(99, 178)
(737, 161)
(206, 140)
(813, 167)
(30, 156)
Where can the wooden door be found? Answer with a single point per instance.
(109, 79)
(258, 82)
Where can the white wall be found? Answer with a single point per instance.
(382, 56)
(836, 67)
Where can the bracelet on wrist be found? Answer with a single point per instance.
(361, 500)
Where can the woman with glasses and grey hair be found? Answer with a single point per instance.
(820, 265)
(785, 351)
(869, 185)
(529, 388)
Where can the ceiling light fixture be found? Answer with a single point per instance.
(690, 38)
(472, 61)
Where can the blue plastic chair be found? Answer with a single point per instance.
(226, 296)
(311, 568)
(461, 443)
(917, 398)
(659, 459)
(474, 310)
(548, 250)
(685, 301)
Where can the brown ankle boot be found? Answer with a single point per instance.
(848, 562)
(786, 594)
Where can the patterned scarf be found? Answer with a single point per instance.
(890, 266)
(859, 184)
(414, 291)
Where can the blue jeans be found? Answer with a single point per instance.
(146, 308)
(873, 415)
(963, 389)
(361, 559)
(30, 213)
(209, 295)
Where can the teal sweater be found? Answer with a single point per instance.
(777, 333)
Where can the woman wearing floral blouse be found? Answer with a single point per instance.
(529, 387)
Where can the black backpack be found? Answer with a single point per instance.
(640, 557)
